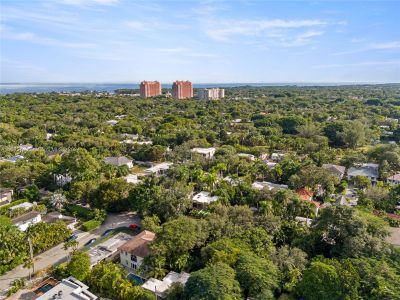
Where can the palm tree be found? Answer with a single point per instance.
(58, 200)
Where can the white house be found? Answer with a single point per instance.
(369, 170)
(135, 250)
(247, 155)
(26, 147)
(159, 287)
(131, 136)
(158, 169)
(277, 156)
(395, 179)
(119, 161)
(13, 159)
(26, 220)
(69, 289)
(206, 153)
(112, 122)
(25, 206)
(132, 178)
(203, 199)
(108, 250)
(5, 196)
(142, 142)
(260, 185)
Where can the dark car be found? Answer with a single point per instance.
(72, 238)
(107, 232)
(89, 242)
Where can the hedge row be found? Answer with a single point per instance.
(90, 225)
(4, 209)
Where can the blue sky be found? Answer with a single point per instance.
(203, 41)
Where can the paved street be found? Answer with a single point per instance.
(58, 254)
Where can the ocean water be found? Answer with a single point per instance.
(9, 88)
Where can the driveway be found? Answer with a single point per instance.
(58, 255)
(394, 237)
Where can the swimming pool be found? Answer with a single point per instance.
(45, 288)
(135, 279)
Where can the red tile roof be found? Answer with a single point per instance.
(139, 244)
(305, 194)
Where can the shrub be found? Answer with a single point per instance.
(79, 211)
(90, 225)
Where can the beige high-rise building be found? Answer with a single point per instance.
(211, 94)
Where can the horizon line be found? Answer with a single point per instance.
(260, 82)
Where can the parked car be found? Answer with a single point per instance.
(107, 232)
(89, 242)
(134, 226)
(72, 238)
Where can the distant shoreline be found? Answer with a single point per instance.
(9, 88)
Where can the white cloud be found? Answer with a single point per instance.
(33, 38)
(360, 64)
(90, 2)
(224, 30)
(185, 52)
(137, 25)
(389, 45)
(309, 34)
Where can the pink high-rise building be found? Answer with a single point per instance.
(182, 90)
(150, 89)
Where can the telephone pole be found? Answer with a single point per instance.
(31, 254)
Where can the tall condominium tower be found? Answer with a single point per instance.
(211, 94)
(150, 89)
(182, 90)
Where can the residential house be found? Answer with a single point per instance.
(56, 216)
(369, 170)
(26, 220)
(341, 200)
(277, 156)
(26, 147)
(112, 122)
(108, 250)
(260, 185)
(335, 169)
(130, 136)
(6, 196)
(247, 156)
(203, 199)
(132, 178)
(119, 161)
(12, 159)
(49, 136)
(394, 179)
(25, 206)
(142, 142)
(53, 153)
(68, 289)
(307, 195)
(206, 153)
(159, 287)
(158, 169)
(135, 250)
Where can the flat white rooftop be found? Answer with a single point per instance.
(204, 150)
(204, 197)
